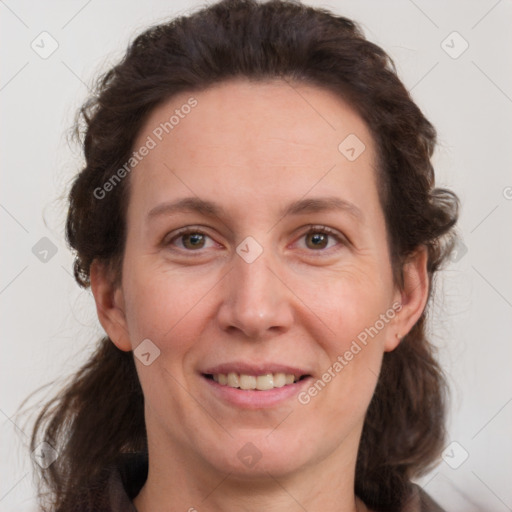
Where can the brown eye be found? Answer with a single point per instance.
(321, 239)
(190, 240)
(317, 240)
(193, 240)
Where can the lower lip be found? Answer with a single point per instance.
(254, 399)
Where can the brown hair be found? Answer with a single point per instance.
(99, 415)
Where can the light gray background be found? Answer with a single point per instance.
(49, 325)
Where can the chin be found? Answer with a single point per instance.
(249, 457)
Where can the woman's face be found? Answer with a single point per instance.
(282, 273)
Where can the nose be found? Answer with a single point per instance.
(256, 302)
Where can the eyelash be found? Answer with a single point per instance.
(311, 229)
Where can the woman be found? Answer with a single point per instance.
(258, 222)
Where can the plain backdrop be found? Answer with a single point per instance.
(454, 57)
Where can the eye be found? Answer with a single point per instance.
(319, 238)
(191, 239)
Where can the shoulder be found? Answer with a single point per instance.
(413, 499)
(126, 479)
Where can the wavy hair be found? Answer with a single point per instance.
(99, 414)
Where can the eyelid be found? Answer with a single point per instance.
(203, 230)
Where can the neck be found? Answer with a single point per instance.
(183, 482)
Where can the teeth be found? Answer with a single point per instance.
(264, 382)
(279, 380)
(259, 382)
(247, 382)
(233, 380)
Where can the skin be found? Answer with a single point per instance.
(253, 148)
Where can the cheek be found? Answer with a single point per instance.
(350, 303)
(358, 312)
(355, 312)
(164, 306)
(352, 340)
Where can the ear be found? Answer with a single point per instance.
(110, 305)
(412, 296)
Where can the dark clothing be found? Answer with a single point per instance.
(127, 478)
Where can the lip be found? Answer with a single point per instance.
(255, 399)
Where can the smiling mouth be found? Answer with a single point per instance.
(255, 382)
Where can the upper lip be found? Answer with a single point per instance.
(254, 369)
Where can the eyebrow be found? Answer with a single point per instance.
(301, 206)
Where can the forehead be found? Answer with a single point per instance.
(266, 138)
